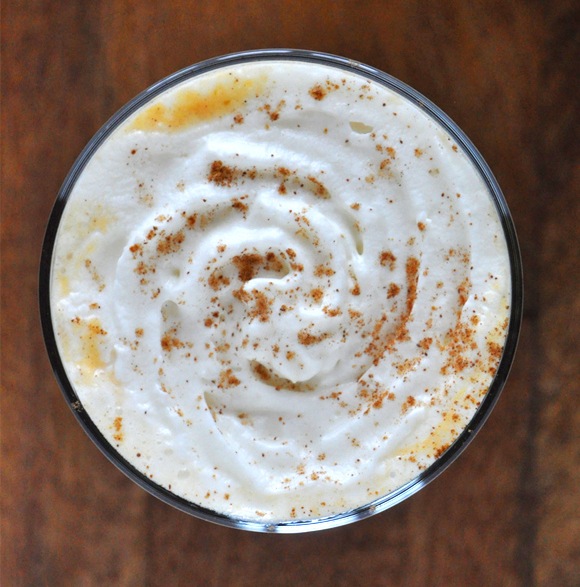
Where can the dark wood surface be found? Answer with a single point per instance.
(506, 513)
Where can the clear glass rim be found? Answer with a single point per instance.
(483, 411)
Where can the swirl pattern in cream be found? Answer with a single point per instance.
(281, 290)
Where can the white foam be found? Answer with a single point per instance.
(301, 330)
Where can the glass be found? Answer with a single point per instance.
(461, 441)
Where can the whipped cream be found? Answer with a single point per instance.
(280, 290)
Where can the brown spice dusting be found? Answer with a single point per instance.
(224, 347)
(242, 295)
(169, 341)
(95, 328)
(319, 188)
(240, 206)
(118, 427)
(409, 403)
(320, 91)
(378, 397)
(307, 338)
(385, 168)
(217, 280)
(170, 243)
(458, 341)
(238, 119)
(248, 265)
(274, 113)
(425, 343)
(439, 451)
(228, 379)
(136, 249)
(191, 220)
(317, 92)
(407, 365)
(323, 270)
(262, 308)
(273, 262)
(221, 174)
(393, 290)
(387, 258)
(422, 226)
(463, 291)
(375, 348)
(270, 378)
(94, 275)
(412, 270)
(261, 371)
(317, 294)
(495, 350)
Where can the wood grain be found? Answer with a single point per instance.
(506, 513)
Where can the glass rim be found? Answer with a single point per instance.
(461, 441)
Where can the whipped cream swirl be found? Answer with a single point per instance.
(280, 290)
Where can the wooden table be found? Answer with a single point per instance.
(506, 513)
